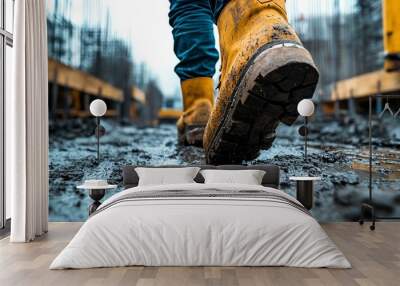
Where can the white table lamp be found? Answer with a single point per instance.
(98, 108)
(306, 109)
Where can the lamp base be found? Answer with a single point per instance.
(96, 196)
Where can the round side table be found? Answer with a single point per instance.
(305, 190)
(96, 193)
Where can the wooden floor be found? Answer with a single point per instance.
(375, 257)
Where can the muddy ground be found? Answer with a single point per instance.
(338, 153)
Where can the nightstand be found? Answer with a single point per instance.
(96, 193)
(305, 190)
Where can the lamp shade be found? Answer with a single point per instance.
(305, 107)
(98, 108)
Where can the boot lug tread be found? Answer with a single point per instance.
(261, 111)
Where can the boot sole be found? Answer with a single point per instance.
(274, 81)
(192, 136)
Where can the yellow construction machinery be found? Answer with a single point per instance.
(72, 90)
(382, 81)
(391, 34)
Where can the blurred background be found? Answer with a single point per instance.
(122, 52)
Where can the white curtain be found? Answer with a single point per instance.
(27, 124)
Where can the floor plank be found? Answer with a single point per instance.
(375, 257)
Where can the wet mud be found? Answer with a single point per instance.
(338, 153)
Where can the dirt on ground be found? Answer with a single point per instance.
(338, 153)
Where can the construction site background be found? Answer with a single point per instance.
(345, 38)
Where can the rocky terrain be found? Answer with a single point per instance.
(338, 153)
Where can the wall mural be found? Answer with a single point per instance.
(95, 54)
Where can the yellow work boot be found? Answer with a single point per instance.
(198, 98)
(265, 73)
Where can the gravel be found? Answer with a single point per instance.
(335, 145)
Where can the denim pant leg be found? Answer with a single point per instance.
(217, 6)
(194, 43)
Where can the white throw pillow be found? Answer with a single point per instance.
(248, 177)
(166, 176)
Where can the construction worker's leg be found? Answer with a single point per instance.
(265, 73)
(194, 45)
(217, 6)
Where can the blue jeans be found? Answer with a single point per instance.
(194, 42)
